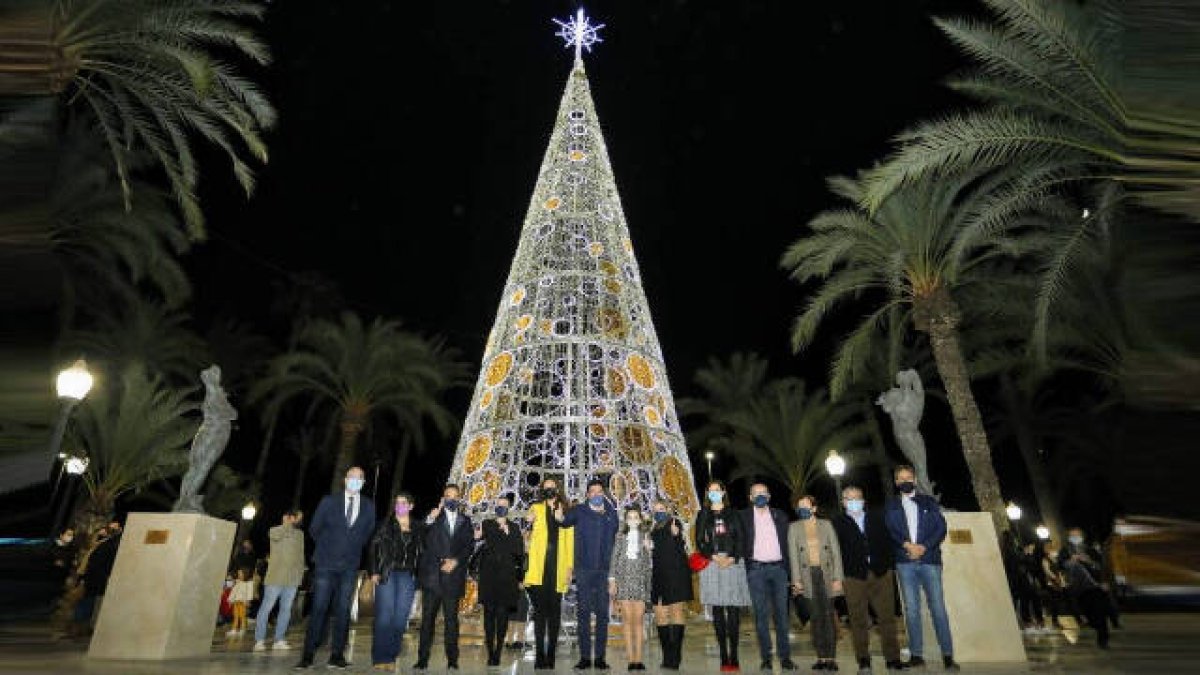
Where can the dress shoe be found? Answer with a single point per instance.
(305, 662)
(584, 664)
(949, 665)
(338, 662)
(600, 664)
(915, 662)
(766, 665)
(896, 665)
(788, 664)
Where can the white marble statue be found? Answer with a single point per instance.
(209, 441)
(905, 403)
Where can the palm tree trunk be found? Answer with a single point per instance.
(1027, 444)
(398, 469)
(351, 427)
(941, 322)
(263, 453)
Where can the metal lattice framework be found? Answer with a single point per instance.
(573, 383)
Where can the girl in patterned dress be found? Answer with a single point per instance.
(629, 581)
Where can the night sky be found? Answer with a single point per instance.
(410, 137)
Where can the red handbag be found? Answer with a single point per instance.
(698, 562)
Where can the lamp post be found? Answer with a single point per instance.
(1014, 514)
(74, 468)
(1043, 532)
(709, 457)
(836, 466)
(71, 385)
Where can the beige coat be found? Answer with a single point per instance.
(831, 555)
(285, 567)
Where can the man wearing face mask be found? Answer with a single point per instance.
(1081, 567)
(442, 574)
(869, 581)
(341, 526)
(595, 526)
(765, 531)
(917, 527)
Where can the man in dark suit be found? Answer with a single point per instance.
(764, 533)
(340, 527)
(917, 528)
(442, 574)
(870, 581)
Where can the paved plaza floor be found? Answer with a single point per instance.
(1149, 643)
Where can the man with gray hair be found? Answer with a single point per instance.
(870, 580)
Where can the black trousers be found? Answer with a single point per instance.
(726, 623)
(432, 602)
(1095, 605)
(547, 617)
(495, 626)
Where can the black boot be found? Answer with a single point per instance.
(664, 641)
(676, 646)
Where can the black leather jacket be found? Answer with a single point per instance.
(392, 549)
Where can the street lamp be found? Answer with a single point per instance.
(71, 385)
(709, 456)
(836, 466)
(74, 467)
(75, 382)
(1043, 532)
(249, 511)
(1013, 511)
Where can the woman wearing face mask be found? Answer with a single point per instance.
(392, 562)
(723, 581)
(670, 583)
(629, 581)
(816, 560)
(551, 556)
(500, 564)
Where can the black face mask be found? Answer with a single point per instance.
(907, 487)
(549, 493)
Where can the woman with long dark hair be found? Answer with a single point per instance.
(723, 581)
(551, 557)
(392, 562)
(629, 581)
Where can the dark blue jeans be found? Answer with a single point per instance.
(591, 594)
(336, 588)
(769, 593)
(393, 606)
(914, 578)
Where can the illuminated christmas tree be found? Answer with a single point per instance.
(573, 384)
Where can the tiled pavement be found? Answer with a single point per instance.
(1149, 644)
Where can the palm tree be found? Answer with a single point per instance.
(143, 332)
(924, 249)
(149, 76)
(133, 431)
(355, 375)
(1068, 86)
(725, 386)
(786, 433)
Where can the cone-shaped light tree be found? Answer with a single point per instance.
(573, 384)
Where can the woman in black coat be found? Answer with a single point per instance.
(500, 563)
(670, 583)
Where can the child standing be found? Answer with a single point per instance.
(240, 598)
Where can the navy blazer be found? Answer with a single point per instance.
(338, 546)
(931, 529)
(781, 530)
(440, 545)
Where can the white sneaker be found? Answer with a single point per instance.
(260, 646)
(281, 645)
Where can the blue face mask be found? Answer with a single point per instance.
(501, 511)
(804, 513)
(597, 500)
(854, 505)
(715, 496)
(451, 504)
(354, 484)
(762, 500)
(661, 516)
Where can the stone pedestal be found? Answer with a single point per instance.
(983, 622)
(165, 590)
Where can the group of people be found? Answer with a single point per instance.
(85, 570)
(759, 557)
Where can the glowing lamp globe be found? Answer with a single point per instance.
(248, 511)
(709, 455)
(75, 382)
(1043, 532)
(835, 464)
(1013, 511)
(76, 466)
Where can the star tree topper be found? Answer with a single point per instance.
(578, 32)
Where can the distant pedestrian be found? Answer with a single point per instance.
(244, 559)
(94, 577)
(341, 527)
(285, 570)
(240, 598)
(1083, 573)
